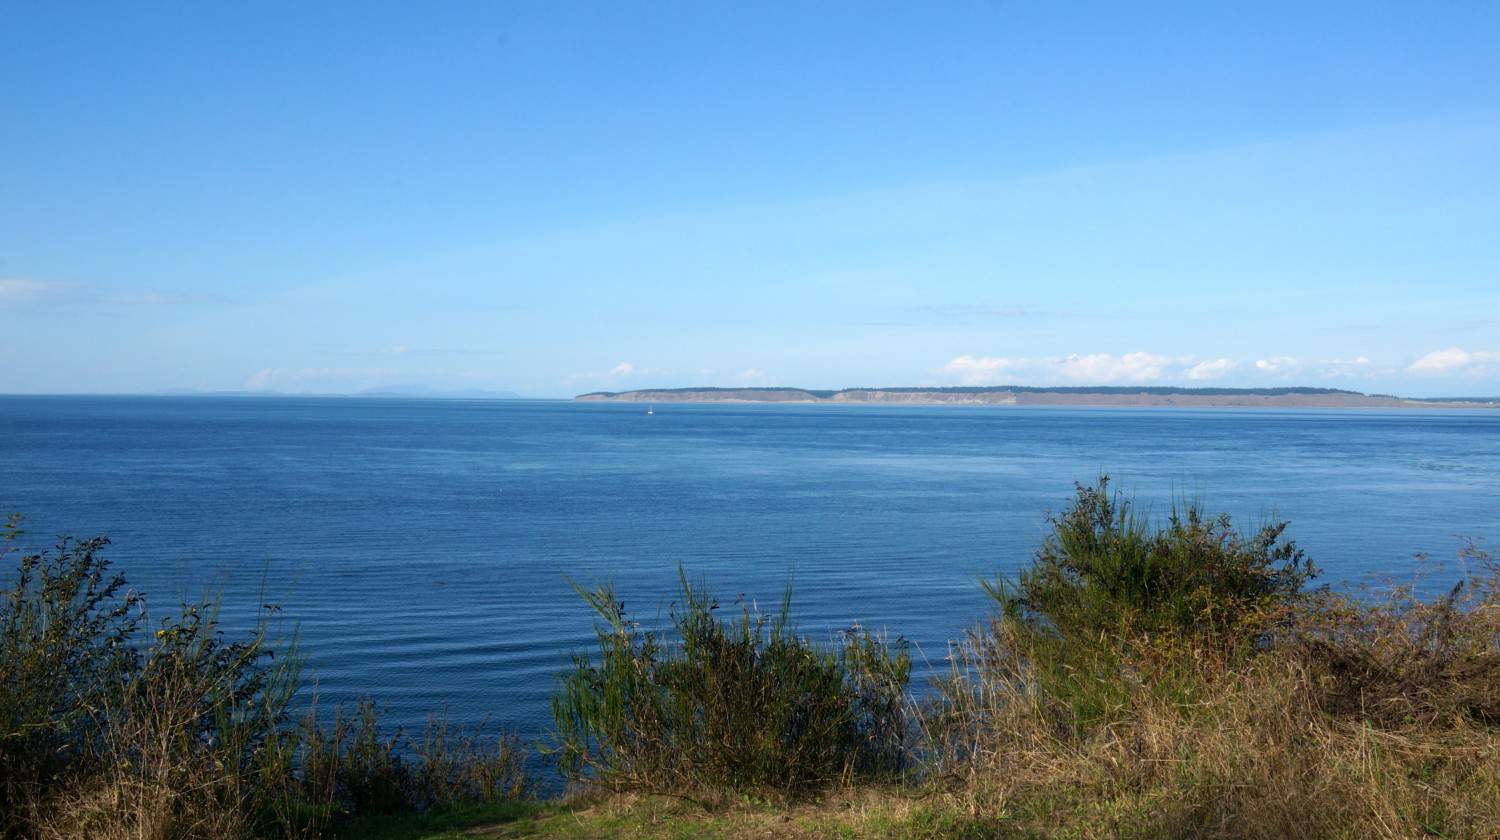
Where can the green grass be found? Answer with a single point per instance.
(490, 820)
(886, 815)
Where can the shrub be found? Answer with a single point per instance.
(192, 744)
(1105, 573)
(1394, 658)
(457, 766)
(1182, 682)
(110, 731)
(103, 732)
(352, 767)
(743, 705)
(66, 627)
(1108, 595)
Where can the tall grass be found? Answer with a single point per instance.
(354, 767)
(192, 742)
(1393, 657)
(1108, 593)
(113, 725)
(66, 629)
(742, 705)
(1181, 680)
(1173, 678)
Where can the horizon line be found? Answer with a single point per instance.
(1071, 389)
(403, 393)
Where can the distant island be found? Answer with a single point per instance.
(1025, 395)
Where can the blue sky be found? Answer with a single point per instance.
(552, 198)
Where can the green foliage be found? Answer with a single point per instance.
(743, 705)
(469, 767)
(1107, 594)
(108, 730)
(65, 653)
(354, 768)
(183, 718)
(1182, 681)
(1123, 687)
(1105, 574)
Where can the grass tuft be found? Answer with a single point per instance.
(115, 726)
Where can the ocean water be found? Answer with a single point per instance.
(425, 548)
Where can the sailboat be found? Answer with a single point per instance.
(650, 409)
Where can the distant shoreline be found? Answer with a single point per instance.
(1023, 395)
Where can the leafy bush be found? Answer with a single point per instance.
(352, 767)
(1103, 573)
(65, 633)
(103, 732)
(107, 730)
(743, 705)
(192, 742)
(1107, 594)
(1183, 682)
(1175, 681)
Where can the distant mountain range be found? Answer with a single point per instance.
(422, 392)
(1026, 395)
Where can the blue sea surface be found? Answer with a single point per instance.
(425, 548)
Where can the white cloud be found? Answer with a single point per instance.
(261, 379)
(1359, 367)
(1453, 361)
(1094, 367)
(1278, 364)
(1104, 367)
(1289, 369)
(1142, 367)
(753, 376)
(624, 370)
(980, 370)
(1211, 369)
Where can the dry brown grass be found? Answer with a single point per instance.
(154, 805)
(1081, 713)
(1364, 718)
(113, 726)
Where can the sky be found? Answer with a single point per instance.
(551, 198)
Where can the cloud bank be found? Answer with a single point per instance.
(1144, 368)
(1456, 361)
(1099, 368)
